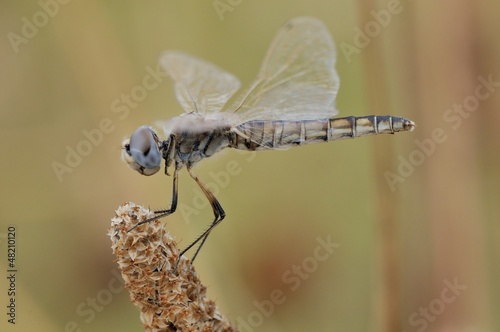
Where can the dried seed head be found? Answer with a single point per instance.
(167, 300)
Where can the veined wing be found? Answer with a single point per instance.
(199, 85)
(297, 80)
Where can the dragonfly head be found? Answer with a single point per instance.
(142, 151)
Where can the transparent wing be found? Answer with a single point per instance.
(297, 80)
(199, 85)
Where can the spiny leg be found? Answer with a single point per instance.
(219, 215)
(173, 205)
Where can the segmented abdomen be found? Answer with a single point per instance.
(259, 135)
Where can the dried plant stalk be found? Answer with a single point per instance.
(168, 300)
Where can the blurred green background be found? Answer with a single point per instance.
(412, 214)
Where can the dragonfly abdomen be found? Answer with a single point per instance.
(352, 126)
(260, 134)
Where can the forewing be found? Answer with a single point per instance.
(199, 85)
(297, 80)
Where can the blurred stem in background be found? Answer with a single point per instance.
(443, 50)
(448, 70)
(388, 306)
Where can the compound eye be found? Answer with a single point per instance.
(143, 150)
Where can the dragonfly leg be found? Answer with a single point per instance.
(219, 215)
(173, 205)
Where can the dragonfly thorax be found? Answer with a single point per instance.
(192, 147)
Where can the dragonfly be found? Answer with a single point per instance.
(290, 103)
